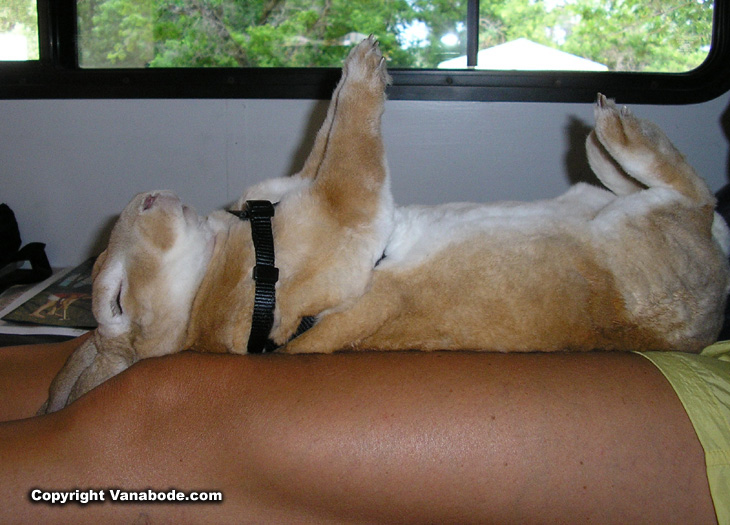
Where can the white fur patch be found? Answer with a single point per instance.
(721, 233)
(185, 263)
(274, 190)
(422, 231)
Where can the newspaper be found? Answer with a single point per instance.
(60, 305)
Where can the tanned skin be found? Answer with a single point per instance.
(358, 438)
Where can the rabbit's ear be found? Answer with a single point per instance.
(109, 282)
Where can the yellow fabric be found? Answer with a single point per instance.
(702, 383)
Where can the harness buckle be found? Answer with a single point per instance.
(260, 208)
(263, 273)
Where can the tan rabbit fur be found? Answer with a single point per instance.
(642, 265)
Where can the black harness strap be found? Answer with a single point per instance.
(259, 213)
(266, 274)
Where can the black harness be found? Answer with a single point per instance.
(266, 274)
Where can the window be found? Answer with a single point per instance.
(660, 51)
(585, 35)
(18, 30)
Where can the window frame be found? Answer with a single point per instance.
(56, 75)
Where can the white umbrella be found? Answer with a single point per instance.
(525, 55)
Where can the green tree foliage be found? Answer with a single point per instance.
(21, 17)
(116, 33)
(638, 35)
(625, 35)
(15, 13)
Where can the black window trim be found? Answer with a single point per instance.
(57, 76)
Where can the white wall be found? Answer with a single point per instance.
(67, 167)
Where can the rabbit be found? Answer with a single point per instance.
(640, 265)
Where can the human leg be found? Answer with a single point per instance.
(373, 437)
(702, 384)
(25, 374)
